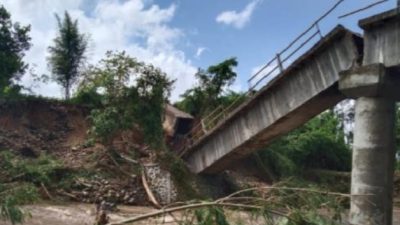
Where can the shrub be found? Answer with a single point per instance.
(316, 145)
(12, 197)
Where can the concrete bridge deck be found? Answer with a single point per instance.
(366, 69)
(302, 91)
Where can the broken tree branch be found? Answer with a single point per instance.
(192, 206)
(46, 191)
(149, 193)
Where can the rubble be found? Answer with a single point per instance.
(97, 190)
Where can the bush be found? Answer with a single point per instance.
(131, 93)
(12, 197)
(316, 145)
(37, 171)
(89, 98)
(14, 194)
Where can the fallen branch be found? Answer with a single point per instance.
(46, 191)
(192, 206)
(82, 182)
(229, 201)
(17, 177)
(68, 194)
(287, 189)
(118, 166)
(128, 159)
(149, 192)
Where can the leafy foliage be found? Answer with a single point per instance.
(211, 215)
(42, 170)
(14, 41)
(68, 53)
(126, 92)
(181, 175)
(18, 181)
(319, 144)
(11, 198)
(290, 202)
(205, 97)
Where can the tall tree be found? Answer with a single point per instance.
(132, 92)
(14, 41)
(203, 98)
(68, 53)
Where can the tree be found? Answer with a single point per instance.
(397, 128)
(68, 53)
(131, 92)
(203, 98)
(318, 144)
(14, 41)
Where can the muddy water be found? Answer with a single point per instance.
(84, 214)
(72, 214)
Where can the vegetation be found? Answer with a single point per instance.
(319, 144)
(20, 179)
(12, 197)
(126, 92)
(68, 53)
(14, 41)
(206, 96)
(291, 202)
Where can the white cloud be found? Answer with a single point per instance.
(238, 19)
(200, 51)
(139, 27)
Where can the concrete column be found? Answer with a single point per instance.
(373, 162)
(375, 88)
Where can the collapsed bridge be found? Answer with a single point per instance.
(341, 65)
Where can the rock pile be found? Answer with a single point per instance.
(98, 190)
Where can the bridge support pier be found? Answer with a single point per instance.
(374, 88)
(373, 162)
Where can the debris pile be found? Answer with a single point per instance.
(97, 190)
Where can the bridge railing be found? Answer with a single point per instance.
(273, 67)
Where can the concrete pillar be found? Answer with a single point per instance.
(373, 162)
(375, 88)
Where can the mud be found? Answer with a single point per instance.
(84, 214)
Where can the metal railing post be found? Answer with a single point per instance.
(278, 58)
(203, 126)
(319, 31)
(212, 119)
(249, 83)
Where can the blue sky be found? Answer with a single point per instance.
(273, 24)
(181, 35)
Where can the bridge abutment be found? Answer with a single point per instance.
(376, 89)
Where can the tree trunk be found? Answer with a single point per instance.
(67, 89)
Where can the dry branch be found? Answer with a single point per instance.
(192, 206)
(149, 192)
(228, 202)
(68, 194)
(116, 164)
(46, 191)
(285, 189)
